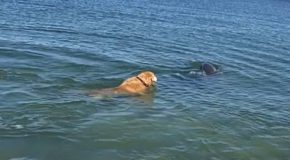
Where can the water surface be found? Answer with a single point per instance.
(52, 52)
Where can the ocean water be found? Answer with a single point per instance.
(53, 52)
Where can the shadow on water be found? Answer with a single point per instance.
(136, 100)
(191, 68)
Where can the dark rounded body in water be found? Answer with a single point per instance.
(208, 68)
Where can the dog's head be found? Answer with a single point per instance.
(148, 77)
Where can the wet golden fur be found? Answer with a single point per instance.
(131, 86)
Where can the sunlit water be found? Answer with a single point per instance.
(53, 52)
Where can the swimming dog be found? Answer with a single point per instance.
(137, 85)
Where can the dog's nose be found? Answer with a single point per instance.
(154, 79)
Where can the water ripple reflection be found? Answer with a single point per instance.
(52, 53)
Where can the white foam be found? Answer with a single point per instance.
(18, 126)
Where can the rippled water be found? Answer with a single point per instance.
(52, 52)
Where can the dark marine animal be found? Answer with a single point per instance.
(208, 68)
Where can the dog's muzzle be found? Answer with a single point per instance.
(154, 79)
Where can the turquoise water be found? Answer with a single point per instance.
(53, 52)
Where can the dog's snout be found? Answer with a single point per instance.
(154, 79)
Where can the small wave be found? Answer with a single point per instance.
(23, 158)
(17, 94)
(12, 52)
(3, 74)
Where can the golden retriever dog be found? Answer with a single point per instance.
(137, 85)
